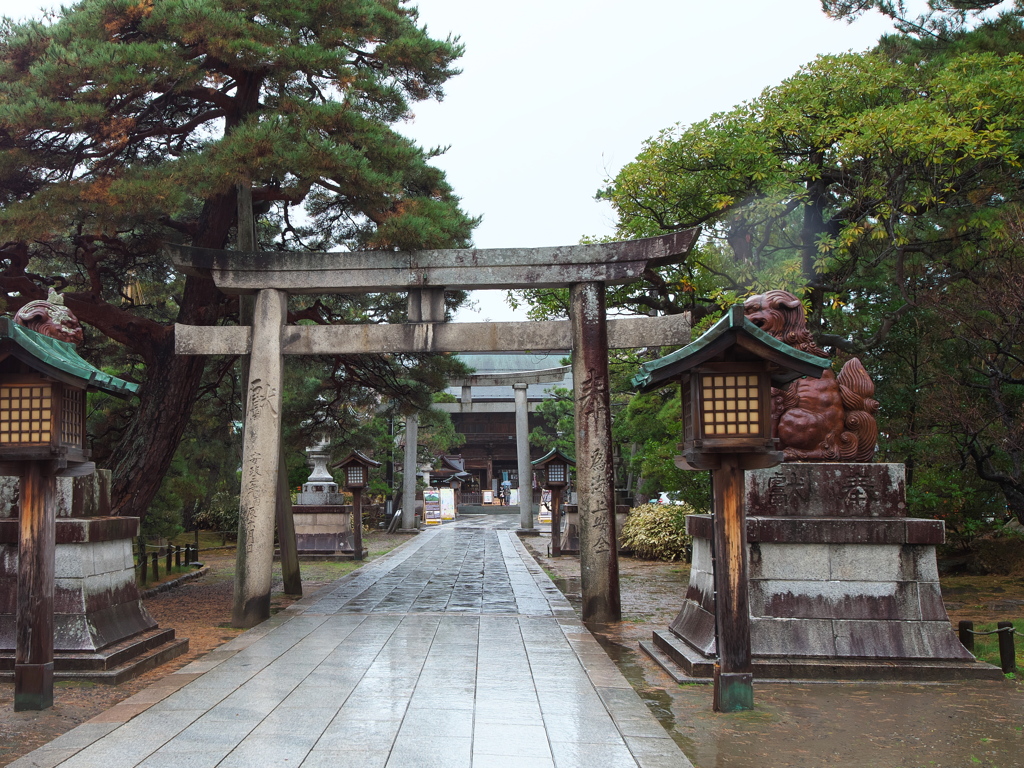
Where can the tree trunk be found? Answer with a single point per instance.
(145, 450)
(812, 229)
(166, 398)
(1015, 502)
(1012, 488)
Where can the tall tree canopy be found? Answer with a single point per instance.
(125, 124)
(886, 189)
(939, 19)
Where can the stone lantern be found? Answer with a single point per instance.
(357, 471)
(726, 377)
(43, 383)
(556, 477)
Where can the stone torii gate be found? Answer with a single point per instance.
(272, 276)
(519, 381)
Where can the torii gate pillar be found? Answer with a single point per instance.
(595, 483)
(260, 465)
(523, 462)
(412, 429)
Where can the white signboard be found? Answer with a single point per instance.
(447, 504)
(544, 511)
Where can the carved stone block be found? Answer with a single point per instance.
(827, 490)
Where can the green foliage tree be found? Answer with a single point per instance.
(125, 124)
(557, 428)
(884, 188)
(855, 171)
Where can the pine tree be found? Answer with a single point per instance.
(126, 124)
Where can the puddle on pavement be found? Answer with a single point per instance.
(657, 699)
(627, 660)
(572, 588)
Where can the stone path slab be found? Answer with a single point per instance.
(454, 651)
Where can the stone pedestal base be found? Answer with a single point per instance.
(323, 529)
(102, 631)
(837, 572)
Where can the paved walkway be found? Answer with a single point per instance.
(453, 651)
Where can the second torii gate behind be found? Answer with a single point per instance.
(585, 269)
(519, 381)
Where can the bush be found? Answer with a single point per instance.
(1001, 553)
(220, 515)
(658, 532)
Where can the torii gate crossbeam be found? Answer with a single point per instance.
(585, 269)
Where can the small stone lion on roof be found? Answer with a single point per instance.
(826, 419)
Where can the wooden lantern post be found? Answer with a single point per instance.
(726, 377)
(43, 383)
(556, 477)
(357, 468)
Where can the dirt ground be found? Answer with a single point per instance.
(958, 725)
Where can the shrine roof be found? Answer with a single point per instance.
(734, 329)
(507, 364)
(554, 453)
(58, 359)
(357, 457)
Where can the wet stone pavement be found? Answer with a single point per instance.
(454, 650)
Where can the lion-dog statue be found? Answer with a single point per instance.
(826, 419)
(51, 318)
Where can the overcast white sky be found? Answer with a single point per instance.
(557, 95)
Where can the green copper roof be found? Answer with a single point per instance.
(58, 359)
(552, 454)
(733, 329)
(356, 458)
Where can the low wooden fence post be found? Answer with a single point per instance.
(965, 630)
(1007, 653)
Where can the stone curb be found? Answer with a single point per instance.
(174, 582)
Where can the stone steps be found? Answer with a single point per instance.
(113, 665)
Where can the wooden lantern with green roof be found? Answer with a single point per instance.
(556, 477)
(357, 477)
(726, 377)
(43, 383)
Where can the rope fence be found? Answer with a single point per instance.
(1006, 632)
(173, 556)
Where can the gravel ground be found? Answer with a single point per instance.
(793, 725)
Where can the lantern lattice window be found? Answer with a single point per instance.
(26, 413)
(355, 475)
(730, 404)
(72, 425)
(556, 473)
